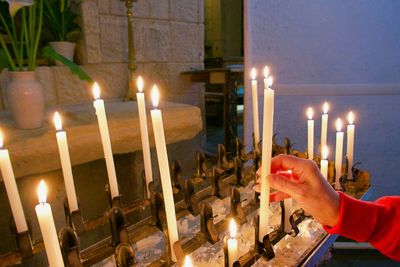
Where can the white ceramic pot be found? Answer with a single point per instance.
(66, 49)
(25, 98)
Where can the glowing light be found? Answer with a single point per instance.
(96, 91)
(253, 73)
(232, 228)
(42, 192)
(325, 107)
(188, 262)
(270, 81)
(339, 125)
(310, 113)
(266, 72)
(140, 84)
(57, 121)
(155, 96)
(325, 152)
(350, 117)
(1, 139)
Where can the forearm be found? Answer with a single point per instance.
(375, 222)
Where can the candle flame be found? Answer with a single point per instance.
(350, 117)
(253, 73)
(1, 139)
(310, 113)
(140, 84)
(339, 125)
(57, 121)
(266, 72)
(188, 262)
(42, 192)
(155, 96)
(270, 81)
(325, 152)
(325, 107)
(96, 90)
(232, 228)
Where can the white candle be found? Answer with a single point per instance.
(232, 243)
(105, 140)
(350, 144)
(254, 93)
(266, 157)
(324, 162)
(324, 125)
(48, 228)
(144, 134)
(339, 153)
(310, 134)
(65, 163)
(187, 262)
(12, 190)
(163, 165)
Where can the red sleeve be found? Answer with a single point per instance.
(375, 222)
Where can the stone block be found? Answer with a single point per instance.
(114, 38)
(158, 73)
(187, 43)
(92, 49)
(90, 17)
(184, 10)
(201, 11)
(46, 77)
(159, 9)
(112, 78)
(104, 6)
(70, 89)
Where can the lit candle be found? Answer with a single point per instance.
(254, 92)
(48, 228)
(350, 144)
(324, 125)
(65, 163)
(339, 153)
(11, 188)
(187, 262)
(163, 165)
(266, 157)
(310, 134)
(105, 139)
(324, 162)
(232, 243)
(144, 134)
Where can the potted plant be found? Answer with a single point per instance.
(60, 20)
(20, 33)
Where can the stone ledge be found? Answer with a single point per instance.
(35, 151)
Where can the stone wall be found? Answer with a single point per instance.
(168, 39)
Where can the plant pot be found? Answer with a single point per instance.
(66, 49)
(25, 98)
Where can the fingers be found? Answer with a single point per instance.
(285, 185)
(278, 196)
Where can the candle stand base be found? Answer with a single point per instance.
(124, 255)
(201, 168)
(238, 167)
(70, 247)
(179, 252)
(207, 226)
(24, 244)
(237, 211)
(77, 221)
(113, 201)
(216, 182)
(222, 161)
(192, 203)
(118, 224)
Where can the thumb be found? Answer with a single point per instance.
(285, 185)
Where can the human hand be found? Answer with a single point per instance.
(306, 185)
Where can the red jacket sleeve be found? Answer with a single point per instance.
(375, 222)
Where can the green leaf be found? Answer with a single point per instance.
(50, 53)
(3, 59)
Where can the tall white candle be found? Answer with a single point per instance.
(310, 134)
(324, 162)
(12, 189)
(105, 140)
(48, 228)
(324, 125)
(350, 144)
(339, 153)
(144, 134)
(232, 243)
(254, 93)
(268, 121)
(163, 165)
(65, 163)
